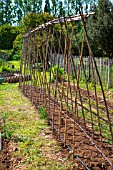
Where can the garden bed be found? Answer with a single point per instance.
(94, 153)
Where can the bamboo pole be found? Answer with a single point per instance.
(93, 64)
(89, 101)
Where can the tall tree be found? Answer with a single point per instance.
(7, 6)
(39, 6)
(61, 11)
(1, 12)
(75, 6)
(93, 5)
(101, 27)
(23, 7)
(9, 32)
(6, 11)
(18, 13)
(47, 6)
(54, 7)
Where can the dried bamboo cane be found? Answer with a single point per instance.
(89, 101)
(92, 60)
(21, 64)
(81, 60)
(41, 78)
(74, 119)
(50, 72)
(68, 81)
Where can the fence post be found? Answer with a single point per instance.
(109, 82)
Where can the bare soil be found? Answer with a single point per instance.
(7, 159)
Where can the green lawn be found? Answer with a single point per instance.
(37, 149)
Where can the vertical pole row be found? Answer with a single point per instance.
(63, 95)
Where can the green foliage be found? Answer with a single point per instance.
(58, 73)
(47, 6)
(6, 133)
(6, 12)
(16, 57)
(42, 112)
(101, 28)
(12, 13)
(15, 63)
(17, 47)
(1, 62)
(5, 68)
(4, 55)
(33, 20)
(7, 36)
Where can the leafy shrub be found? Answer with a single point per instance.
(6, 55)
(6, 133)
(3, 55)
(6, 69)
(7, 36)
(58, 73)
(16, 57)
(17, 47)
(32, 20)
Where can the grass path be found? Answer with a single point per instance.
(34, 147)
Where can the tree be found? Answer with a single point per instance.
(7, 36)
(47, 6)
(23, 7)
(6, 12)
(17, 47)
(93, 5)
(61, 11)
(39, 6)
(101, 27)
(32, 20)
(67, 6)
(1, 12)
(54, 7)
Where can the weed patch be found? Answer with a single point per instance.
(42, 112)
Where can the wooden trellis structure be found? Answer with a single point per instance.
(74, 107)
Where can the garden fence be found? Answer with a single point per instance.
(104, 64)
